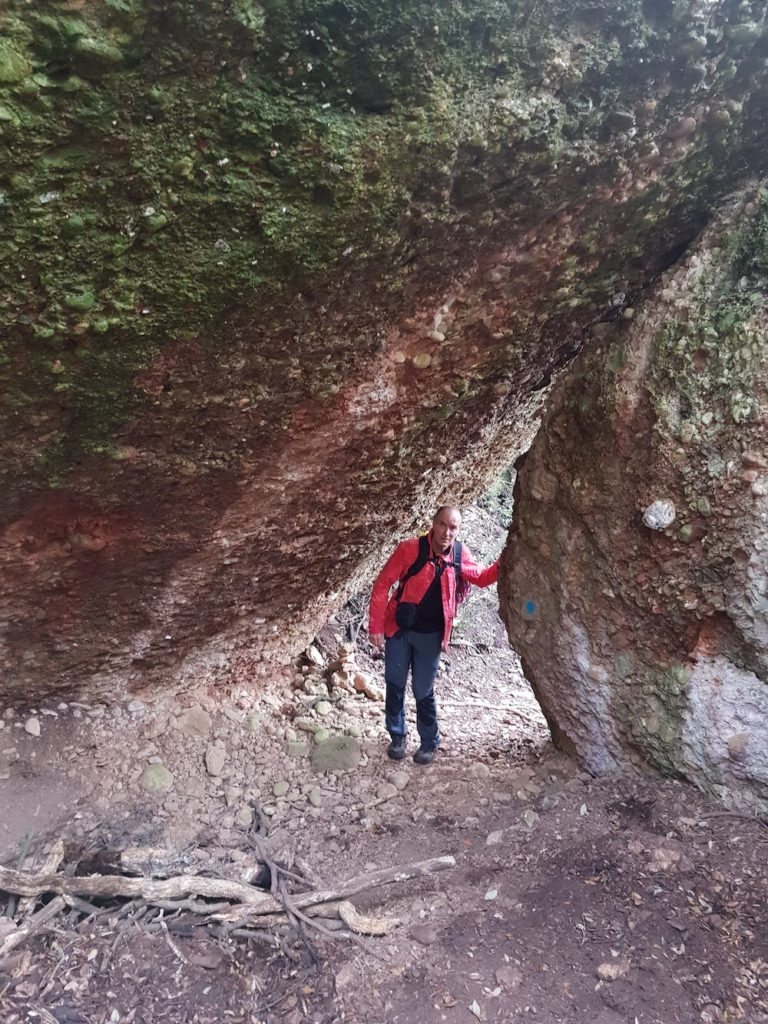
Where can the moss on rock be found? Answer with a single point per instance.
(233, 156)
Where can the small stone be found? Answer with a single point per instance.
(306, 724)
(253, 723)
(135, 707)
(751, 460)
(194, 722)
(321, 735)
(323, 708)
(663, 859)
(338, 753)
(280, 788)
(215, 759)
(737, 745)
(400, 780)
(422, 360)
(491, 895)
(316, 797)
(530, 817)
(509, 978)
(494, 838)
(156, 778)
(478, 770)
(612, 971)
(423, 934)
(244, 816)
(681, 128)
(32, 726)
(620, 120)
(760, 487)
(314, 656)
(386, 791)
(297, 748)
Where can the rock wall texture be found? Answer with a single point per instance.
(278, 276)
(636, 582)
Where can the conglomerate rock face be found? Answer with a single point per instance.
(636, 582)
(279, 276)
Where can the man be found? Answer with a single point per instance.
(413, 624)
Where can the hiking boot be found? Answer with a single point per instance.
(396, 749)
(424, 755)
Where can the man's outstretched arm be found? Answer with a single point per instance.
(476, 574)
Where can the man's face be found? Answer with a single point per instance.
(445, 527)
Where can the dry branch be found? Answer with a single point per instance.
(353, 886)
(32, 925)
(252, 901)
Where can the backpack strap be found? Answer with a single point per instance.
(421, 560)
(458, 554)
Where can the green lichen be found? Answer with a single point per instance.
(657, 716)
(749, 244)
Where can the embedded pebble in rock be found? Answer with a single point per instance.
(479, 771)
(400, 779)
(253, 722)
(323, 708)
(156, 778)
(386, 791)
(530, 817)
(422, 360)
(423, 934)
(494, 838)
(660, 514)
(316, 797)
(339, 753)
(280, 788)
(32, 726)
(194, 722)
(215, 759)
(321, 735)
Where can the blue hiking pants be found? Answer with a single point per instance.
(419, 652)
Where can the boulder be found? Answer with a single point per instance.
(646, 638)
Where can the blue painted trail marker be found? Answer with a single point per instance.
(529, 608)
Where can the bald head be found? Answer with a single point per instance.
(445, 527)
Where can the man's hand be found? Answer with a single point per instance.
(377, 639)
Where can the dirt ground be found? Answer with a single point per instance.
(572, 899)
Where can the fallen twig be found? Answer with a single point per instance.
(171, 944)
(31, 925)
(735, 814)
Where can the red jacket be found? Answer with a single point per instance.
(383, 606)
